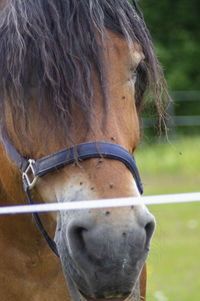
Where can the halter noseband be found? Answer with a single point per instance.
(32, 169)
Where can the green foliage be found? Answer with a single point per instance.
(175, 29)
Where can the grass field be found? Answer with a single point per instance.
(174, 261)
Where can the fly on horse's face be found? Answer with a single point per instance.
(74, 72)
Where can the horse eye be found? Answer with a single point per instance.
(134, 76)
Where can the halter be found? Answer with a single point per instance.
(32, 170)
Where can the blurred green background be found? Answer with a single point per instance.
(175, 29)
(173, 265)
(172, 165)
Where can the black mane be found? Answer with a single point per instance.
(53, 45)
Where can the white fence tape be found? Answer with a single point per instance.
(103, 203)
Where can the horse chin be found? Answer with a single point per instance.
(108, 299)
(116, 298)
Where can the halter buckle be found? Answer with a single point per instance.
(29, 174)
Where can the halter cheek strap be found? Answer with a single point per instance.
(32, 169)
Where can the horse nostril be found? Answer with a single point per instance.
(147, 224)
(149, 228)
(76, 239)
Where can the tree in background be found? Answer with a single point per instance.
(175, 29)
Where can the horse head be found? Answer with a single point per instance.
(76, 72)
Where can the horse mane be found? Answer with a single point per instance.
(53, 46)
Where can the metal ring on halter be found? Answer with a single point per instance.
(29, 174)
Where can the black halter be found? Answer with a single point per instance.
(32, 169)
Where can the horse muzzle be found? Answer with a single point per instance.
(102, 254)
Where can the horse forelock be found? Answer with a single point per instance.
(52, 46)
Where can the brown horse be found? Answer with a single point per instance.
(71, 72)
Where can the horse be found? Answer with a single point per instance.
(73, 79)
